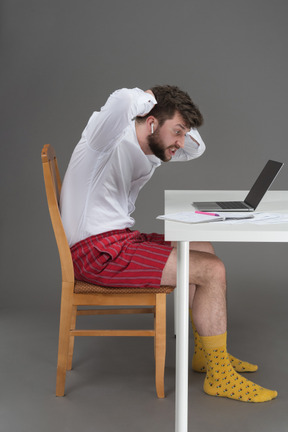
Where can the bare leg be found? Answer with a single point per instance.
(200, 247)
(198, 362)
(207, 273)
(208, 284)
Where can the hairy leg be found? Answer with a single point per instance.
(198, 362)
(200, 247)
(207, 273)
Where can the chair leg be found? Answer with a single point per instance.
(160, 343)
(72, 338)
(63, 346)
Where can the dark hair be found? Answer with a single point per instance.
(171, 99)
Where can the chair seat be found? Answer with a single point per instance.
(82, 287)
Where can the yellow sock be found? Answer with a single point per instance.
(222, 380)
(199, 363)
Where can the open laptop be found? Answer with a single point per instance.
(258, 190)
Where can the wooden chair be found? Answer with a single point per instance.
(78, 293)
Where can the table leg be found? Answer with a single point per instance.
(182, 338)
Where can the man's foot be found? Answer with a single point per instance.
(221, 378)
(199, 362)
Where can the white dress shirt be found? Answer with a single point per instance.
(108, 167)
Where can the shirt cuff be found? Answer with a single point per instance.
(143, 102)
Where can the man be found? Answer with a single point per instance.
(118, 152)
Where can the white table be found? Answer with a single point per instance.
(176, 201)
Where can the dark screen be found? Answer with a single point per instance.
(263, 183)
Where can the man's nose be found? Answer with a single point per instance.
(180, 142)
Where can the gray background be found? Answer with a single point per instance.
(59, 62)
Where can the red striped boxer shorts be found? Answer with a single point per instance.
(121, 258)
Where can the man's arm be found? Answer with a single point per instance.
(106, 127)
(194, 147)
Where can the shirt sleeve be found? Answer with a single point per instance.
(194, 147)
(106, 127)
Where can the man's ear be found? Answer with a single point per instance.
(152, 124)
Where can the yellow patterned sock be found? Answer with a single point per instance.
(199, 363)
(222, 380)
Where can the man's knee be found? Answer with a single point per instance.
(218, 268)
(206, 268)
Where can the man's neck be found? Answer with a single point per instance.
(141, 133)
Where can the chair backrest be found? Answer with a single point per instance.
(53, 188)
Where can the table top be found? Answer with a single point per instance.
(181, 200)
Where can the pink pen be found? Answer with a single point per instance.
(208, 214)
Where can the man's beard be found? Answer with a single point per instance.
(157, 147)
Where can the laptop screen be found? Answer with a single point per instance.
(263, 183)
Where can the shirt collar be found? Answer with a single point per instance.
(152, 158)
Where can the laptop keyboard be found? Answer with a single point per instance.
(232, 205)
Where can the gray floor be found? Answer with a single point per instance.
(111, 386)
